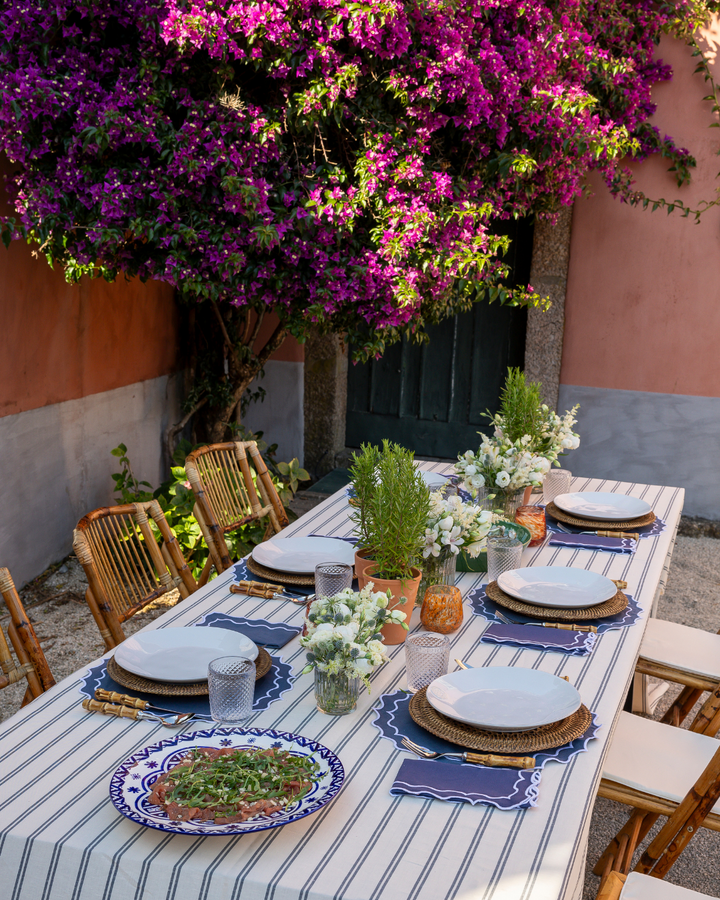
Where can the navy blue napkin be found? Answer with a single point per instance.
(593, 542)
(535, 637)
(466, 783)
(260, 631)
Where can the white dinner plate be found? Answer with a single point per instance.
(602, 505)
(302, 554)
(500, 698)
(181, 654)
(557, 587)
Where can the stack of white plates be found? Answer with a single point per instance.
(502, 698)
(602, 505)
(300, 555)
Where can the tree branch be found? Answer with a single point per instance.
(173, 430)
(230, 345)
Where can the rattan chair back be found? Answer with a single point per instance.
(125, 565)
(28, 662)
(226, 494)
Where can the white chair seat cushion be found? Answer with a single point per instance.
(643, 887)
(658, 759)
(688, 649)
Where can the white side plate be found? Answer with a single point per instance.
(557, 587)
(434, 480)
(599, 505)
(181, 654)
(302, 554)
(499, 698)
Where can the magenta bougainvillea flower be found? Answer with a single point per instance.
(342, 162)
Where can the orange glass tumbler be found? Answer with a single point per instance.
(533, 518)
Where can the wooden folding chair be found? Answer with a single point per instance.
(652, 767)
(640, 887)
(226, 496)
(125, 567)
(31, 663)
(682, 655)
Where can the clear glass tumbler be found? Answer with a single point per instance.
(231, 684)
(556, 482)
(503, 553)
(331, 578)
(426, 658)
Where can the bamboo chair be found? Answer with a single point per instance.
(31, 663)
(226, 496)
(683, 655)
(125, 567)
(640, 887)
(651, 767)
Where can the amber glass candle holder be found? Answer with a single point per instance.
(442, 609)
(533, 518)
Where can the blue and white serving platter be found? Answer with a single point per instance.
(130, 786)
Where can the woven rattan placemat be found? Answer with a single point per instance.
(610, 607)
(545, 738)
(282, 577)
(127, 679)
(598, 524)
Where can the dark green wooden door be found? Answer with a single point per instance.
(432, 397)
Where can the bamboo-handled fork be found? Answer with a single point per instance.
(267, 591)
(618, 534)
(480, 759)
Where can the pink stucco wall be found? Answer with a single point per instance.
(643, 295)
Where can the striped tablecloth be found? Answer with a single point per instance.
(62, 839)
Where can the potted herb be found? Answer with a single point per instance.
(363, 473)
(395, 523)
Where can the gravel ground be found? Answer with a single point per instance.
(56, 606)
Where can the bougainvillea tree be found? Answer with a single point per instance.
(344, 164)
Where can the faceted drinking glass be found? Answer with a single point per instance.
(556, 482)
(231, 684)
(426, 658)
(503, 553)
(332, 578)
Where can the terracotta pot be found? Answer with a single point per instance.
(395, 634)
(362, 562)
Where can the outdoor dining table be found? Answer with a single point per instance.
(62, 838)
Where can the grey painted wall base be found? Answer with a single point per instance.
(668, 439)
(280, 415)
(57, 465)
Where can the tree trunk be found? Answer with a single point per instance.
(231, 359)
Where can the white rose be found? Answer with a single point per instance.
(502, 479)
(346, 633)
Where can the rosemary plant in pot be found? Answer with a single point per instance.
(362, 489)
(396, 522)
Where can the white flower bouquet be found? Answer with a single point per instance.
(453, 526)
(553, 434)
(343, 633)
(501, 465)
